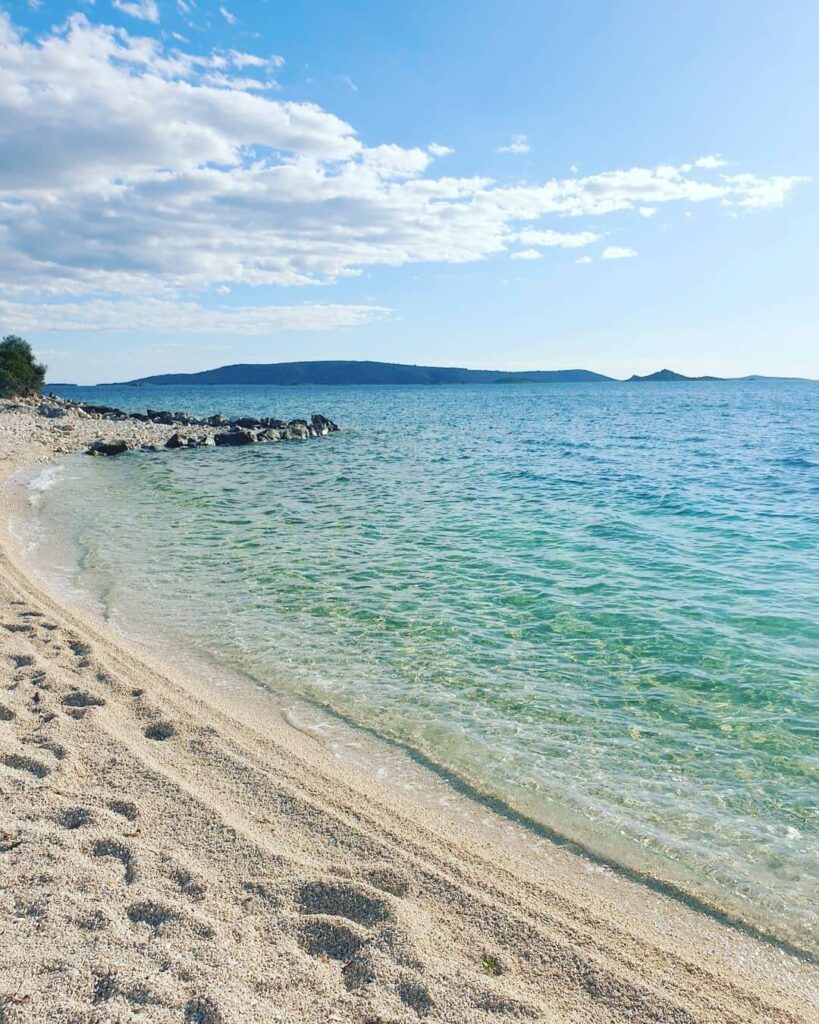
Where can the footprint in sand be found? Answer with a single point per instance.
(323, 938)
(336, 939)
(337, 900)
(117, 850)
(76, 817)
(25, 764)
(57, 750)
(81, 651)
(414, 995)
(188, 885)
(152, 914)
(160, 731)
(201, 1010)
(82, 699)
(125, 808)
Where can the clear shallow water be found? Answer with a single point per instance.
(599, 603)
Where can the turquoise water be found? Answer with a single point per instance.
(598, 603)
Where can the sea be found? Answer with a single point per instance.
(593, 606)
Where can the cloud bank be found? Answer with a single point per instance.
(131, 169)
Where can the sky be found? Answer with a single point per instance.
(532, 184)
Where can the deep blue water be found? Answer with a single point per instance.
(598, 602)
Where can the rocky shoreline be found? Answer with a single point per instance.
(105, 430)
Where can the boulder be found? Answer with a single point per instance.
(217, 420)
(108, 448)
(161, 416)
(271, 434)
(177, 441)
(233, 438)
(51, 411)
(297, 430)
(248, 422)
(322, 425)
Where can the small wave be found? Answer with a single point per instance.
(41, 484)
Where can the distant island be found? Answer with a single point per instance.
(669, 375)
(355, 371)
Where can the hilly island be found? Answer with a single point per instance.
(354, 371)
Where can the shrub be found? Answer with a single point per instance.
(20, 373)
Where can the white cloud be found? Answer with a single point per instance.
(710, 162)
(647, 211)
(229, 18)
(181, 173)
(158, 315)
(145, 10)
(568, 240)
(584, 259)
(526, 254)
(346, 80)
(438, 150)
(618, 252)
(519, 144)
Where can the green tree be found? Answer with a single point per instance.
(20, 373)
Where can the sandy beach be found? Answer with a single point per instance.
(168, 855)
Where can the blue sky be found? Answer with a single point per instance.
(616, 186)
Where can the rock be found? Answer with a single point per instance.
(297, 430)
(232, 438)
(108, 448)
(248, 422)
(104, 410)
(161, 416)
(322, 425)
(177, 441)
(269, 421)
(271, 434)
(217, 420)
(51, 411)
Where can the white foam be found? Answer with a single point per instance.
(43, 482)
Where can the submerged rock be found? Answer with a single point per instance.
(108, 448)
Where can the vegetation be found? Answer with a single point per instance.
(20, 373)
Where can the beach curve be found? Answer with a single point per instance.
(168, 855)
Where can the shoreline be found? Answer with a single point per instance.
(252, 846)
